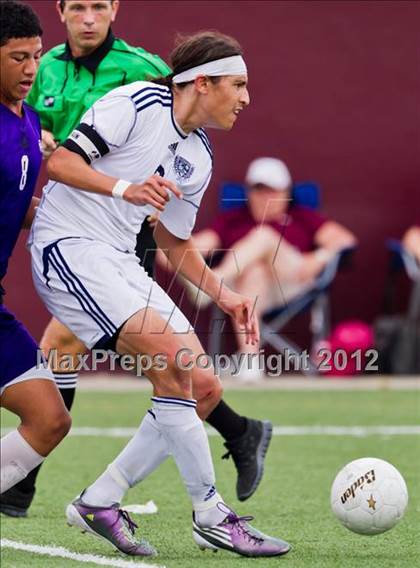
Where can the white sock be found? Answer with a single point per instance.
(146, 450)
(109, 488)
(187, 441)
(18, 458)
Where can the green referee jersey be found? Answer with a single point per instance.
(66, 87)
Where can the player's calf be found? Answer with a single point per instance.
(45, 422)
(44, 418)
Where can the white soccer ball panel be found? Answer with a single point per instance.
(361, 522)
(386, 518)
(394, 493)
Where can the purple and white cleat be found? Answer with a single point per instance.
(109, 523)
(236, 535)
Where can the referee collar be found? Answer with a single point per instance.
(91, 61)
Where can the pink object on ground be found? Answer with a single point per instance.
(348, 344)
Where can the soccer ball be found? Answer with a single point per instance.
(369, 496)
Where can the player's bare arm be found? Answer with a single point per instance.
(68, 167)
(186, 258)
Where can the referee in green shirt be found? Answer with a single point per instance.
(71, 77)
(74, 75)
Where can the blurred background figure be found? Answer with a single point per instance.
(274, 248)
(411, 241)
(397, 329)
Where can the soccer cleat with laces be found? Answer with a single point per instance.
(236, 535)
(248, 453)
(109, 523)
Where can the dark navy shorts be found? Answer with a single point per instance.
(18, 351)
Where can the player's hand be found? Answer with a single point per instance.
(48, 144)
(241, 309)
(154, 191)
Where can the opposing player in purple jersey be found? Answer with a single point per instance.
(27, 388)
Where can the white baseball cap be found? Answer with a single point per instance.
(270, 172)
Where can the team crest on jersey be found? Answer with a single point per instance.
(49, 102)
(183, 168)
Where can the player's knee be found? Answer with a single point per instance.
(263, 233)
(55, 426)
(59, 424)
(65, 424)
(207, 386)
(215, 395)
(208, 392)
(60, 427)
(256, 272)
(216, 390)
(219, 390)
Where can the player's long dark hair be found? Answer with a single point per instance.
(198, 49)
(17, 20)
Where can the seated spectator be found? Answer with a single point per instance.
(411, 241)
(275, 249)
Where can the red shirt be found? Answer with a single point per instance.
(299, 226)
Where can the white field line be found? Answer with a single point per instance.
(60, 552)
(115, 382)
(353, 431)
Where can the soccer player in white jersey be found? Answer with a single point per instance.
(139, 149)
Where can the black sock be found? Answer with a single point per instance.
(66, 382)
(68, 397)
(225, 420)
(27, 485)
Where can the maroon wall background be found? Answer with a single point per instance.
(335, 89)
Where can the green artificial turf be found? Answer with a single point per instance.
(292, 501)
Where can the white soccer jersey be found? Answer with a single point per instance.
(131, 134)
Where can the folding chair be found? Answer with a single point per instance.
(316, 299)
(401, 259)
(398, 335)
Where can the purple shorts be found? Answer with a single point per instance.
(18, 351)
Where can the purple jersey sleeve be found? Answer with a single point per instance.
(20, 161)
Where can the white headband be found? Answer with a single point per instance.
(234, 65)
